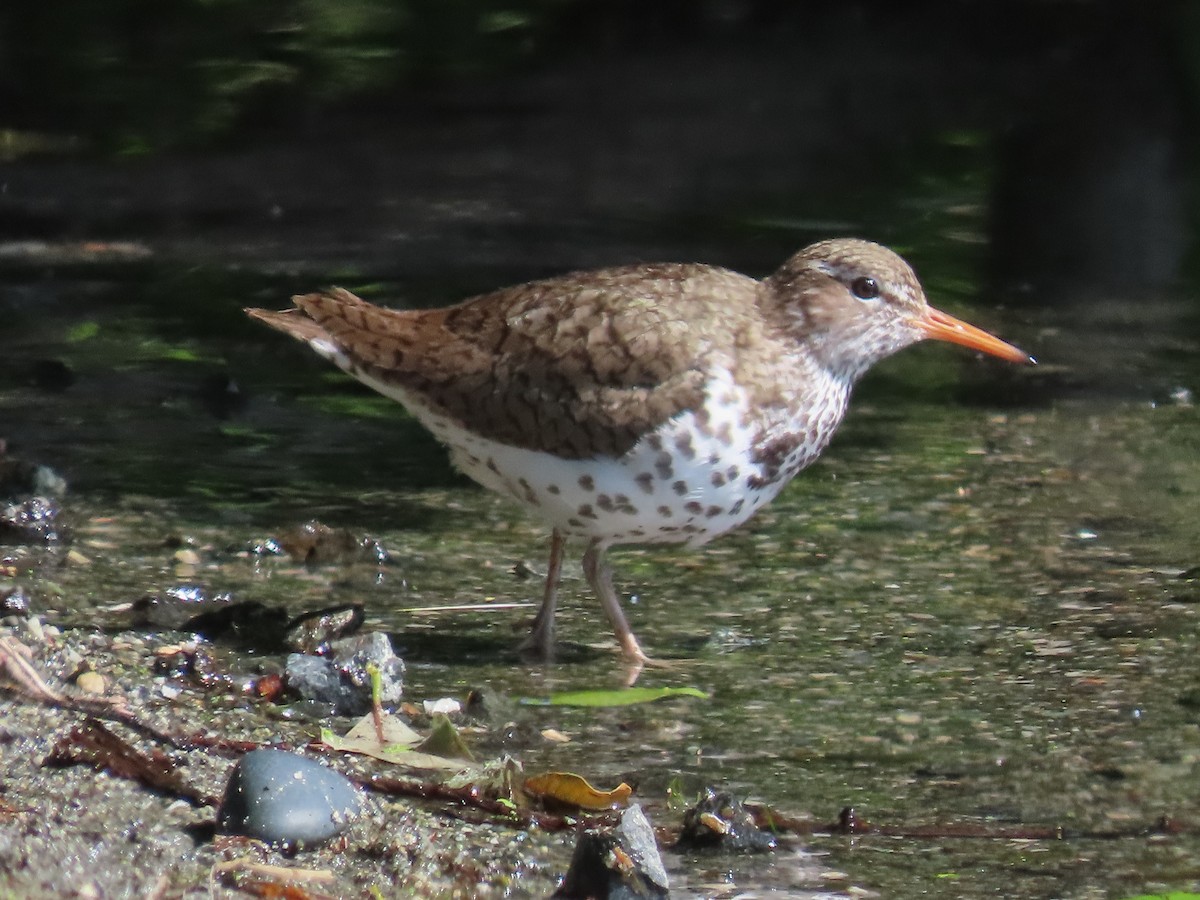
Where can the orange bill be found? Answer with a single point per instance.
(939, 326)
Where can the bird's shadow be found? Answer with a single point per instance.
(462, 648)
(459, 648)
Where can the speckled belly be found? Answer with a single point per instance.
(693, 479)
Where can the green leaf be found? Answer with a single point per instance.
(181, 354)
(397, 747)
(444, 740)
(82, 332)
(1173, 895)
(624, 697)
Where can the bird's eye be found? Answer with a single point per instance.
(865, 288)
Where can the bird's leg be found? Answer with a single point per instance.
(541, 637)
(599, 576)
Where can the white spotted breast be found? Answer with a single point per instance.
(697, 476)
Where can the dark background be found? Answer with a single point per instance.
(1050, 143)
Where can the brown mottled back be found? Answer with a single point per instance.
(579, 365)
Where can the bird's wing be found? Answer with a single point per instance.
(578, 365)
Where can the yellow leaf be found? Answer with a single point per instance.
(572, 790)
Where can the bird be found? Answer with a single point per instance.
(652, 403)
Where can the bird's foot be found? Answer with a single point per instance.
(635, 667)
(636, 657)
(539, 644)
(652, 662)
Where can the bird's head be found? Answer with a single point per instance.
(853, 303)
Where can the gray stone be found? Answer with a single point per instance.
(720, 822)
(636, 836)
(287, 799)
(341, 679)
(598, 872)
(352, 655)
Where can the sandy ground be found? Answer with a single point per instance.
(68, 831)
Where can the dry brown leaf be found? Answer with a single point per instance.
(573, 790)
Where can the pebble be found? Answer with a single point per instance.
(635, 873)
(312, 632)
(283, 798)
(342, 680)
(34, 520)
(719, 820)
(446, 706)
(91, 682)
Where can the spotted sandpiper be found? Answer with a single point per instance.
(662, 403)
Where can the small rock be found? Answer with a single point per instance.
(445, 706)
(315, 543)
(269, 687)
(287, 799)
(14, 601)
(189, 607)
(91, 682)
(170, 691)
(352, 655)
(20, 479)
(636, 835)
(38, 633)
(620, 863)
(316, 678)
(720, 821)
(313, 632)
(32, 521)
(174, 606)
(342, 680)
(188, 662)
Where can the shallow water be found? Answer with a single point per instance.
(975, 609)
